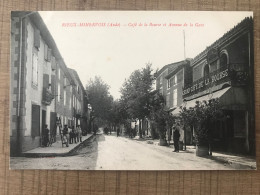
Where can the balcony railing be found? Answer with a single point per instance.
(47, 96)
(236, 74)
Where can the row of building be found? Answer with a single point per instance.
(43, 89)
(224, 70)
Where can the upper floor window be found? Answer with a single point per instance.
(168, 100)
(223, 60)
(172, 81)
(175, 97)
(59, 92)
(35, 69)
(206, 70)
(59, 73)
(161, 79)
(65, 95)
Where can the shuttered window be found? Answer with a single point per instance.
(46, 80)
(53, 82)
(175, 97)
(53, 63)
(37, 41)
(35, 69)
(46, 52)
(35, 128)
(49, 55)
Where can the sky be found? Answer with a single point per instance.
(113, 44)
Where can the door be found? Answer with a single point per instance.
(35, 127)
(43, 119)
(53, 126)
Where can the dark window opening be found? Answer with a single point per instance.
(206, 71)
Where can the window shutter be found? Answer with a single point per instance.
(45, 80)
(36, 38)
(53, 63)
(45, 52)
(53, 82)
(49, 55)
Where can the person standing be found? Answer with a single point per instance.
(66, 135)
(46, 135)
(117, 132)
(79, 133)
(176, 137)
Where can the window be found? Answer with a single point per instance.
(46, 52)
(58, 92)
(168, 100)
(36, 39)
(69, 102)
(223, 60)
(65, 94)
(35, 69)
(175, 97)
(161, 79)
(59, 73)
(206, 70)
(172, 81)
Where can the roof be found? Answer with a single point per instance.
(76, 76)
(244, 24)
(171, 66)
(38, 22)
(177, 67)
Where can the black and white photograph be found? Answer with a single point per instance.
(132, 90)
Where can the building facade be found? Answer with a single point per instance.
(41, 84)
(170, 82)
(224, 70)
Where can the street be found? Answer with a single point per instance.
(108, 152)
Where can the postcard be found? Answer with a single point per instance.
(132, 90)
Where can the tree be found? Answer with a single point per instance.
(136, 94)
(160, 117)
(99, 98)
(202, 117)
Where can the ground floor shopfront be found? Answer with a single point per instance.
(235, 132)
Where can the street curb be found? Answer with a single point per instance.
(49, 155)
(234, 164)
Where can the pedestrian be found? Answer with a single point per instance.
(66, 135)
(117, 132)
(46, 135)
(79, 133)
(109, 130)
(76, 134)
(176, 137)
(72, 134)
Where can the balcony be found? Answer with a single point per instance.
(233, 74)
(47, 96)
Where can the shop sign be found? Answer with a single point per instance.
(206, 82)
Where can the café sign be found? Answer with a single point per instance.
(206, 82)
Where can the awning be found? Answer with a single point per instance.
(233, 98)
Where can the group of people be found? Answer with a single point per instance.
(69, 135)
(73, 135)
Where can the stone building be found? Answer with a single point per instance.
(224, 70)
(41, 88)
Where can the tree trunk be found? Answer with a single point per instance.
(140, 128)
